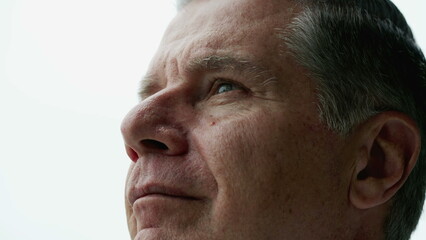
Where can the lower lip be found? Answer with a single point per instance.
(158, 196)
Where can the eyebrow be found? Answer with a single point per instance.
(214, 63)
(227, 63)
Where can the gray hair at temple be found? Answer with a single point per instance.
(365, 60)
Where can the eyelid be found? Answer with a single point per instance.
(217, 81)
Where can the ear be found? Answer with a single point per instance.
(386, 149)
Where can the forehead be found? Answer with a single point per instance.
(243, 29)
(236, 12)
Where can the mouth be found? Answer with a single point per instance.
(159, 191)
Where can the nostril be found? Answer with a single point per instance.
(153, 144)
(132, 154)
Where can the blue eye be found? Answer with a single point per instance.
(226, 87)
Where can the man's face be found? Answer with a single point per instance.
(227, 142)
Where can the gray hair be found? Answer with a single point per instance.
(365, 60)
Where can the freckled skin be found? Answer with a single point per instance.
(264, 163)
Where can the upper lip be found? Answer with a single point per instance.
(155, 188)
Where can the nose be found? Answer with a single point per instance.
(155, 126)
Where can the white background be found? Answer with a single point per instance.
(69, 72)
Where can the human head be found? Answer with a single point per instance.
(349, 85)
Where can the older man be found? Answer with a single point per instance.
(279, 119)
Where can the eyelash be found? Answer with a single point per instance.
(218, 82)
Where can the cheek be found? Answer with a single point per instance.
(244, 156)
(266, 166)
(250, 146)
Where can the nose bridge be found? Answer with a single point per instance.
(156, 125)
(165, 107)
(159, 108)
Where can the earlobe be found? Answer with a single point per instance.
(388, 148)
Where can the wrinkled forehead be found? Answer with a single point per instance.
(236, 11)
(183, 3)
(223, 24)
